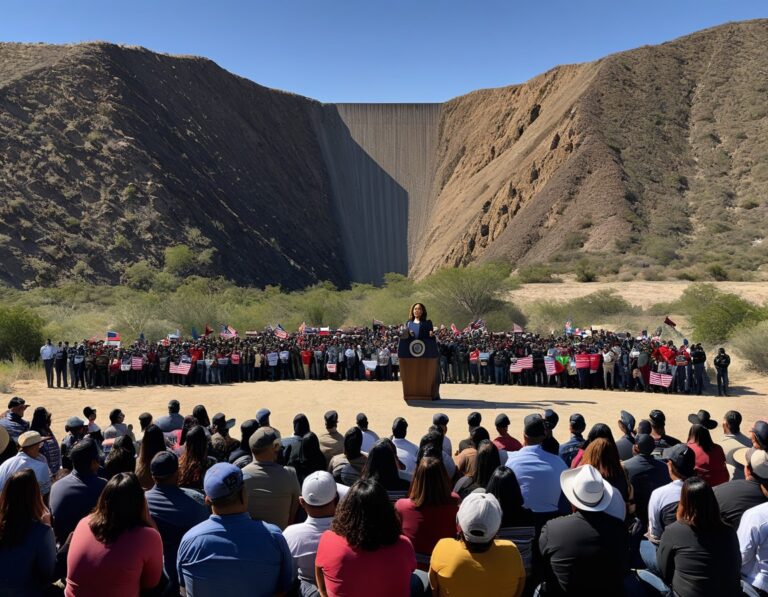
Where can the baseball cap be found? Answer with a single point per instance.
(502, 420)
(702, 418)
(30, 438)
(88, 411)
(533, 426)
(551, 419)
(757, 459)
(262, 416)
(440, 419)
(75, 422)
(222, 480)
(331, 418)
(474, 419)
(319, 489)
(577, 422)
(479, 517)
(164, 464)
(17, 401)
(262, 438)
(657, 417)
(220, 420)
(399, 426)
(627, 420)
(645, 443)
(682, 458)
(760, 429)
(361, 419)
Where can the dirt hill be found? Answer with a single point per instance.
(652, 160)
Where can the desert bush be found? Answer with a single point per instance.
(749, 342)
(140, 275)
(714, 314)
(537, 273)
(585, 272)
(21, 333)
(583, 311)
(717, 272)
(15, 370)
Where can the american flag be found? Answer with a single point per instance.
(516, 329)
(280, 332)
(582, 361)
(455, 330)
(519, 364)
(552, 365)
(181, 369)
(137, 363)
(227, 331)
(325, 332)
(112, 339)
(661, 379)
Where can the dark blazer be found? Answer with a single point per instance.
(646, 473)
(424, 328)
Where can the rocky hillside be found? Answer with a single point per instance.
(653, 160)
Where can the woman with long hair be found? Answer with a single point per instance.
(364, 552)
(432, 445)
(382, 465)
(189, 423)
(710, 457)
(116, 549)
(308, 458)
(487, 460)
(41, 422)
(201, 414)
(504, 485)
(121, 458)
(428, 514)
(27, 544)
(152, 443)
(598, 430)
(195, 461)
(604, 456)
(699, 554)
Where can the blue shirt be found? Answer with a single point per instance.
(72, 499)
(14, 425)
(234, 555)
(538, 473)
(174, 511)
(27, 568)
(569, 449)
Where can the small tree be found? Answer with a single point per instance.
(179, 260)
(21, 333)
(140, 275)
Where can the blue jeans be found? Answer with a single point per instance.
(648, 555)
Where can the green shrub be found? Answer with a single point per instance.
(749, 342)
(140, 275)
(714, 314)
(585, 272)
(179, 260)
(21, 333)
(583, 311)
(717, 272)
(537, 273)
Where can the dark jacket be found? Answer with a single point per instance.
(645, 473)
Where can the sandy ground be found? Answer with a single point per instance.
(642, 294)
(382, 402)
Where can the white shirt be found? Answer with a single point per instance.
(369, 438)
(406, 453)
(753, 541)
(662, 497)
(47, 351)
(23, 461)
(303, 540)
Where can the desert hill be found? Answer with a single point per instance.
(653, 160)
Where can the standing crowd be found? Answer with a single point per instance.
(182, 506)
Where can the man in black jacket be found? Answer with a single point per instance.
(722, 362)
(645, 473)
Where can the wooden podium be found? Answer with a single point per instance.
(418, 368)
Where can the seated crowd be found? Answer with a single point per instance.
(184, 508)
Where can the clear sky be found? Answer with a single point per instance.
(375, 50)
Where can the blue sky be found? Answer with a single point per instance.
(371, 50)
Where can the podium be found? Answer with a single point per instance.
(418, 368)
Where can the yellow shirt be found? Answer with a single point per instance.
(454, 571)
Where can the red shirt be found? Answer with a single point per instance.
(508, 443)
(426, 526)
(306, 357)
(351, 572)
(121, 569)
(710, 467)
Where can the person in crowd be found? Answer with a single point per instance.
(753, 527)
(273, 491)
(474, 419)
(698, 555)
(504, 441)
(586, 553)
(307, 457)
(7, 446)
(722, 362)
(47, 355)
(486, 461)
(599, 430)
(364, 552)
(627, 440)
(347, 467)
(504, 486)
(319, 499)
(93, 427)
(663, 503)
(477, 563)
(231, 554)
(262, 416)
(145, 420)
(201, 415)
(739, 495)
(466, 460)
(645, 473)
(195, 460)
(121, 458)
(27, 544)
(440, 420)
(76, 430)
(659, 432)
(177, 439)
(13, 421)
(28, 457)
(432, 445)
(550, 444)
(537, 471)
(331, 442)
(382, 466)
(75, 495)
(173, 420)
(152, 443)
(117, 546)
(710, 458)
(241, 456)
(41, 422)
(117, 427)
(733, 439)
(569, 449)
(292, 442)
(369, 437)
(175, 510)
(604, 457)
(406, 450)
(428, 514)
(222, 444)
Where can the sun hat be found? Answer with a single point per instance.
(586, 489)
(757, 459)
(702, 418)
(479, 517)
(30, 438)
